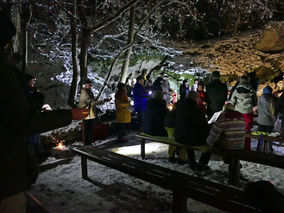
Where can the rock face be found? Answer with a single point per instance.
(236, 56)
(273, 38)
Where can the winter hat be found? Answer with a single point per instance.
(215, 75)
(7, 29)
(86, 81)
(244, 80)
(267, 90)
(159, 79)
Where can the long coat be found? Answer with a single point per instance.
(87, 101)
(16, 124)
(123, 115)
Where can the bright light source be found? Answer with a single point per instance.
(150, 148)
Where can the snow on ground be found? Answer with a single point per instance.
(62, 189)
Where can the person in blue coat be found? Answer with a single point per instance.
(140, 99)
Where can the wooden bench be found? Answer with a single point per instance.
(223, 197)
(234, 156)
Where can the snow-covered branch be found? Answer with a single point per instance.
(157, 45)
(114, 37)
(115, 17)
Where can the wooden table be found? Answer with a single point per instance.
(266, 139)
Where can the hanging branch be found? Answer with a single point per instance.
(124, 49)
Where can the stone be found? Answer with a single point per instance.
(272, 39)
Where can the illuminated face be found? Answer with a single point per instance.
(200, 88)
(31, 83)
(88, 86)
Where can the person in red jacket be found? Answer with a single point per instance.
(203, 97)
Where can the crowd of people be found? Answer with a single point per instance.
(209, 114)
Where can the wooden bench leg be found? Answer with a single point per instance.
(84, 167)
(179, 202)
(234, 170)
(266, 146)
(142, 148)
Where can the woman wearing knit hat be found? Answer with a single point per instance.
(266, 113)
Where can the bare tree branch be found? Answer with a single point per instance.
(107, 37)
(115, 17)
(126, 48)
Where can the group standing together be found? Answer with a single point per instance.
(187, 122)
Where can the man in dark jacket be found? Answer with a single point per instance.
(16, 124)
(183, 90)
(217, 95)
(192, 128)
(155, 113)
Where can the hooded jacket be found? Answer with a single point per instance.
(244, 98)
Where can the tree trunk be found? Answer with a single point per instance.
(74, 35)
(85, 43)
(26, 19)
(124, 70)
(124, 49)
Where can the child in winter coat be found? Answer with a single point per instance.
(266, 113)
